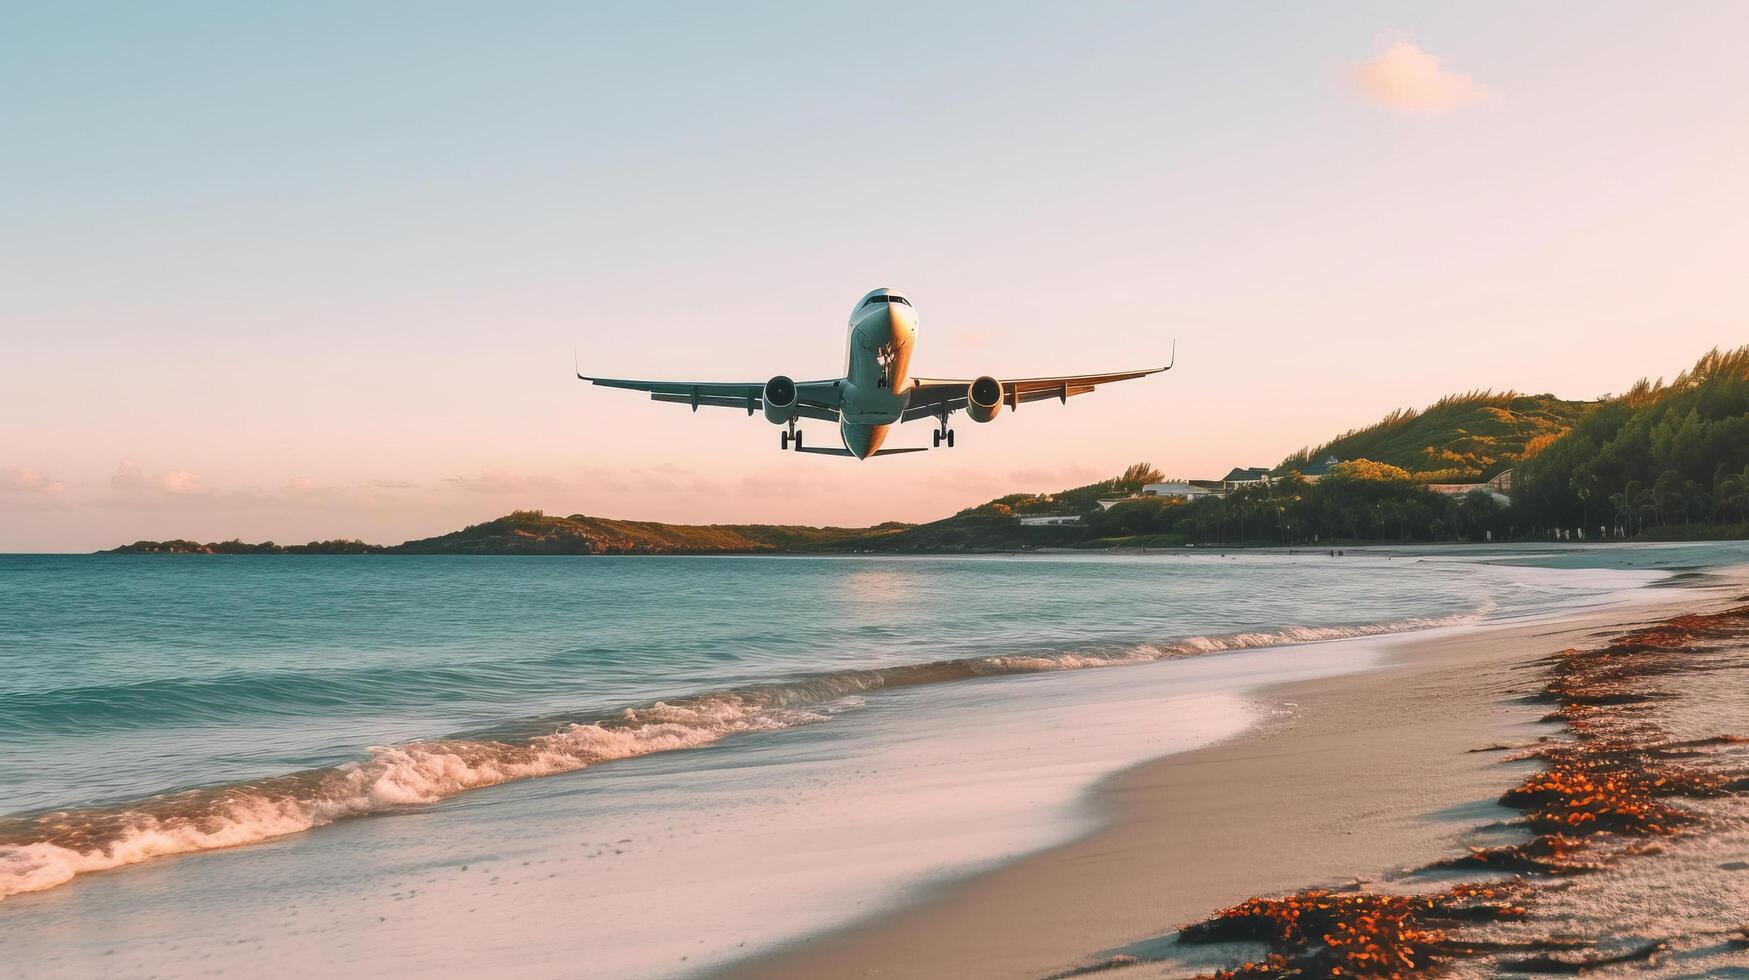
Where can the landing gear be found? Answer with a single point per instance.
(944, 434)
(793, 435)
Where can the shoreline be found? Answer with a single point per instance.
(1372, 773)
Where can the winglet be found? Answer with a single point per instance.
(577, 365)
(1174, 357)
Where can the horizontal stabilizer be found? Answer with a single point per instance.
(824, 451)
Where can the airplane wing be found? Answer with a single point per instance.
(814, 399)
(931, 396)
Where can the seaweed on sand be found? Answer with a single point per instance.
(1616, 777)
(1369, 934)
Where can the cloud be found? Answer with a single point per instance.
(505, 482)
(23, 479)
(304, 489)
(394, 485)
(666, 480)
(172, 483)
(1408, 78)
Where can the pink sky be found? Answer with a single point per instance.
(343, 303)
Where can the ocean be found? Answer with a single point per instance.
(308, 764)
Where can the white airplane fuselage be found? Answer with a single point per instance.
(883, 332)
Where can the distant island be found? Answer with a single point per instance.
(533, 532)
(1661, 461)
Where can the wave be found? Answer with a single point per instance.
(164, 701)
(44, 850)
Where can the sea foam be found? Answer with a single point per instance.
(48, 849)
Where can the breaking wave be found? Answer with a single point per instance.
(44, 850)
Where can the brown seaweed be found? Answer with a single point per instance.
(1616, 776)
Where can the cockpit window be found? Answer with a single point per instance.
(900, 299)
(872, 300)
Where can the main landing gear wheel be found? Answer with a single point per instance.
(798, 438)
(783, 440)
(950, 438)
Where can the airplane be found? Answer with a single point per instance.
(877, 390)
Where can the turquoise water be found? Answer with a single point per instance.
(152, 706)
(125, 676)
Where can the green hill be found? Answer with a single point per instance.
(1669, 459)
(531, 532)
(1457, 439)
(994, 525)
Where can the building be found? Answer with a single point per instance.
(1313, 472)
(1500, 488)
(1050, 520)
(1185, 489)
(1192, 489)
(1244, 476)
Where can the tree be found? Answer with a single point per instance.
(1366, 469)
(1659, 454)
(1139, 475)
(1479, 514)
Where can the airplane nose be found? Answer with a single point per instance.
(901, 321)
(883, 326)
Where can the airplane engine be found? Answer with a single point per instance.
(984, 399)
(780, 400)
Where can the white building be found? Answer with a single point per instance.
(1050, 520)
(1183, 490)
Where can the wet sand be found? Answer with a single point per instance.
(1358, 776)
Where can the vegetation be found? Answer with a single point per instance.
(532, 532)
(235, 547)
(1360, 500)
(1459, 439)
(1666, 459)
(994, 525)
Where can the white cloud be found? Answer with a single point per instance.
(173, 483)
(23, 479)
(1408, 78)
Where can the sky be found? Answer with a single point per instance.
(316, 270)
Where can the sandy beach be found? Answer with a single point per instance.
(1358, 777)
